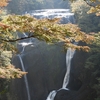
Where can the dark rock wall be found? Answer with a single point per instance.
(46, 67)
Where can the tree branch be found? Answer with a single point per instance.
(89, 4)
(17, 39)
(3, 25)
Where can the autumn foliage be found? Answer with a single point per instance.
(7, 70)
(3, 3)
(48, 30)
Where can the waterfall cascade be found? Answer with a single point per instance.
(24, 44)
(64, 14)
(69, 56)
(66, 18)
(51, 95)
(25, 78)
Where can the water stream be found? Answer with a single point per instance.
(69, 56)
(25, 78)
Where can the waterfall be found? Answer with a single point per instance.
(66, 18)
(65, 15)
(24, 44)
(25, 78)
(69, 56)
(51, 95)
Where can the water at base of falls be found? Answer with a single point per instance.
(51, 95)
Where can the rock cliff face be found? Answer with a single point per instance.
(46, 67)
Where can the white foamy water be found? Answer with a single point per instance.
(65, 14)
(24, 44)
(69, 56)
(51, 95)
(25, 78)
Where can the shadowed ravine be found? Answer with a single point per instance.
(65, 15)
(53, 74)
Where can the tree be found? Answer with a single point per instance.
(3, 3)
(93, 4)
(6, 69)
(87, 22)
(92, 64)
(48, 30)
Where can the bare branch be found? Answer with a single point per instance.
(17, 39)
(89, 4)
